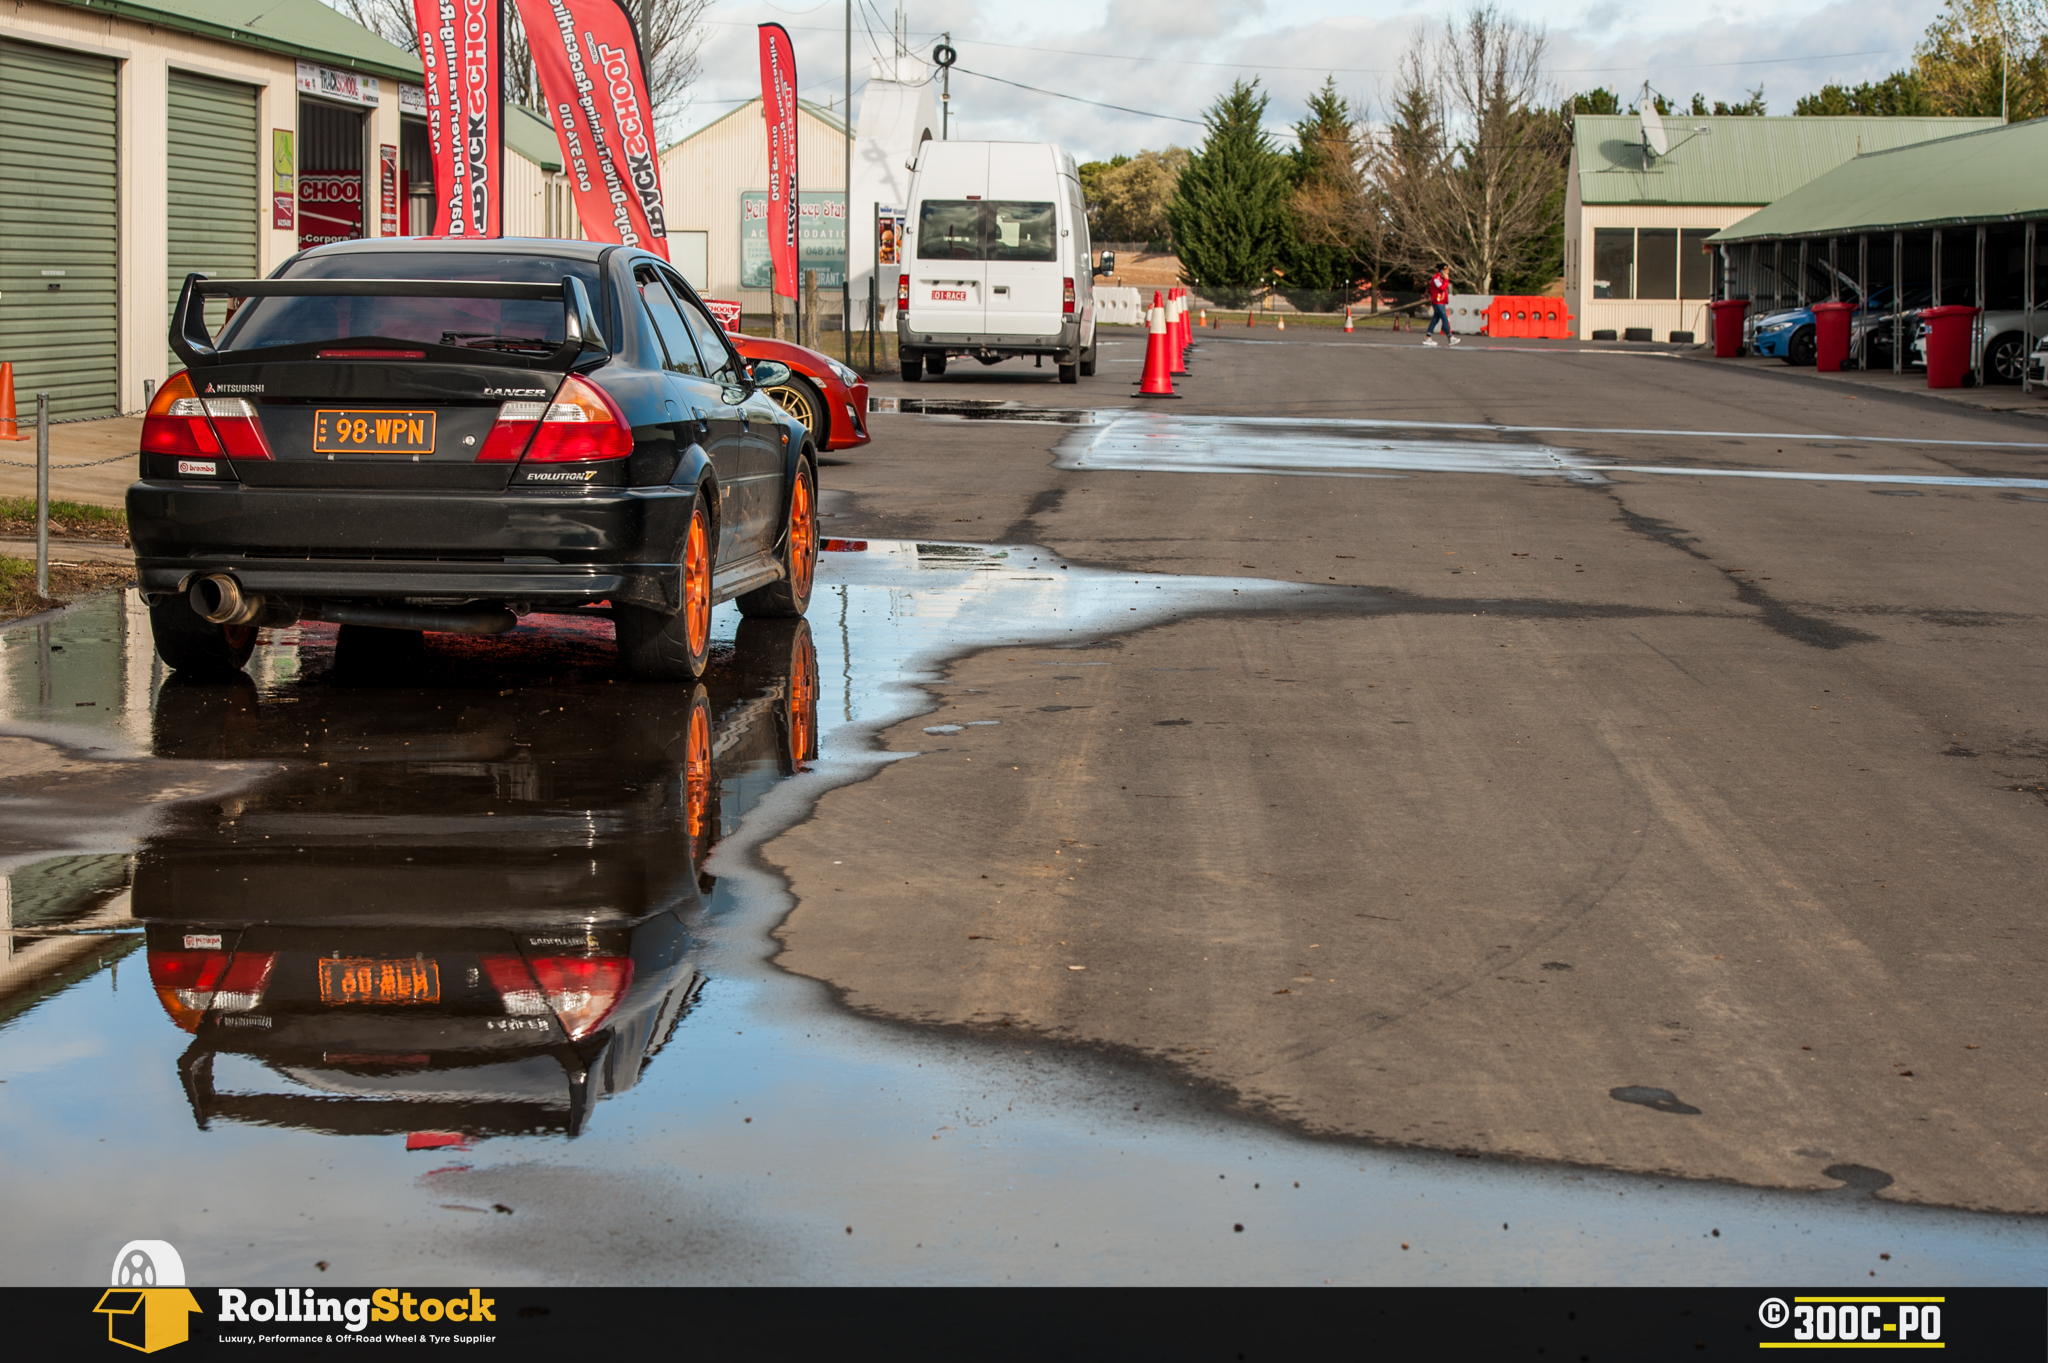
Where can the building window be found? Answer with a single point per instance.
(1614, 262)
(1697, 262)
(1657, 262)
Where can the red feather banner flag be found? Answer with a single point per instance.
(461, 42)
(778, 106)
(588, 56)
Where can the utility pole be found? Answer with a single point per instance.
(846, 217)
(946, 92)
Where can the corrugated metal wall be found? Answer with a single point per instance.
(59, 227)
(213, 209)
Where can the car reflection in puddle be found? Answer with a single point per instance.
(455, 913)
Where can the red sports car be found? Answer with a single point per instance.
(824, 394)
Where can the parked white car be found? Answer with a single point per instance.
(996, 261)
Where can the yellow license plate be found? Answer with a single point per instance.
(345, 431)
(368, 979)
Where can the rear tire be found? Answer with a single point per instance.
(1088, 363)
(791, 596)
(1070, 373)
(913, 365)
(656, 646)
(189, 645)
(780, 656)
(935, 364)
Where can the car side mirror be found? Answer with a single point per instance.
(769, 373)
(1108, 264)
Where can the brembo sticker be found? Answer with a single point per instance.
(198, 468)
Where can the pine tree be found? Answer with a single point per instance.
(1326, 209)
(1229, 214)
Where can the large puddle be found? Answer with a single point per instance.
(469, 979)
(1160, 442)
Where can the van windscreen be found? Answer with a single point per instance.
(987, 229)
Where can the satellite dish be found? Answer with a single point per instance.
(1654, 136)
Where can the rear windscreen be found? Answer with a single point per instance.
(500, 324)
(987, 229)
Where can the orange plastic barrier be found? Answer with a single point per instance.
(1524, 317)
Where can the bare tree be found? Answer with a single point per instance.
(1473, 156)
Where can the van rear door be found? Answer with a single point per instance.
(1022, 222)
(948, 275)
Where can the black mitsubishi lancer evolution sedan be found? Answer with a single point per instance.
(401, 436)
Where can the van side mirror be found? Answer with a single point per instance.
(1108, 265)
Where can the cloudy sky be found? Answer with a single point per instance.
(1171, 57)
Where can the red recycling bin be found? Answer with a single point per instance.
(1831, 335)
(1950, 330)
(1728, 315)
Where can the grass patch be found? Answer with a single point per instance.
(68, 520)
(68, 582)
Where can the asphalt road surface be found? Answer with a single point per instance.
(1668, 821)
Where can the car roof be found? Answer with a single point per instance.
(527, 246)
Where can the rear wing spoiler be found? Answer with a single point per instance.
(581, 334)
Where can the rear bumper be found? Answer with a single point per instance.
(1064, 343)
(343, 544)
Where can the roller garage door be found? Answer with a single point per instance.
(59, 234)
(212, 210)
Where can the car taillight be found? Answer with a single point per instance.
(1066, 295)
(903, 291)
(188, 983)
(181, 423)
(582, 991)
(580, 425)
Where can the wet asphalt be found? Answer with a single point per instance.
(1374, 781)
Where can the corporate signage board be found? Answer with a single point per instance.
(820, 238)
(348, 87)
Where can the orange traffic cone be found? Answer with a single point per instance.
(1156, 383)
(1176, 352)
(1281, 324)
(8, 429)
(1187, 321)
(1347, 321)
(1202, 318)
(1251, 319)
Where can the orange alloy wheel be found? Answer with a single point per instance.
(803, 702)
(697, 770)
(697, 584)
(803, 539)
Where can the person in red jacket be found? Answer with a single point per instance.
(1439, 306)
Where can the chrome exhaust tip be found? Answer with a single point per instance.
(218, 600)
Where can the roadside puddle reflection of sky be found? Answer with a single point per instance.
(463, 973)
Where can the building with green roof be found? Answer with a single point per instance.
(1939, 222)
(1638, 223)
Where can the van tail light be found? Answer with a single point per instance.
(180, 422)
(1066, 295)
(581, 991)
(581, 424)
(189, 983)
(903, 291)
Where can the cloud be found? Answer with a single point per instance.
(1173, 57)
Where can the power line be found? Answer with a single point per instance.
(1122, 109)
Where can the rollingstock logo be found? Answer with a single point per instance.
(1853, 1322)
(148, 1307)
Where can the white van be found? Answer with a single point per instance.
(996, 260)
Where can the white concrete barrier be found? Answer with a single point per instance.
(1120, 306)
(1468, 312)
